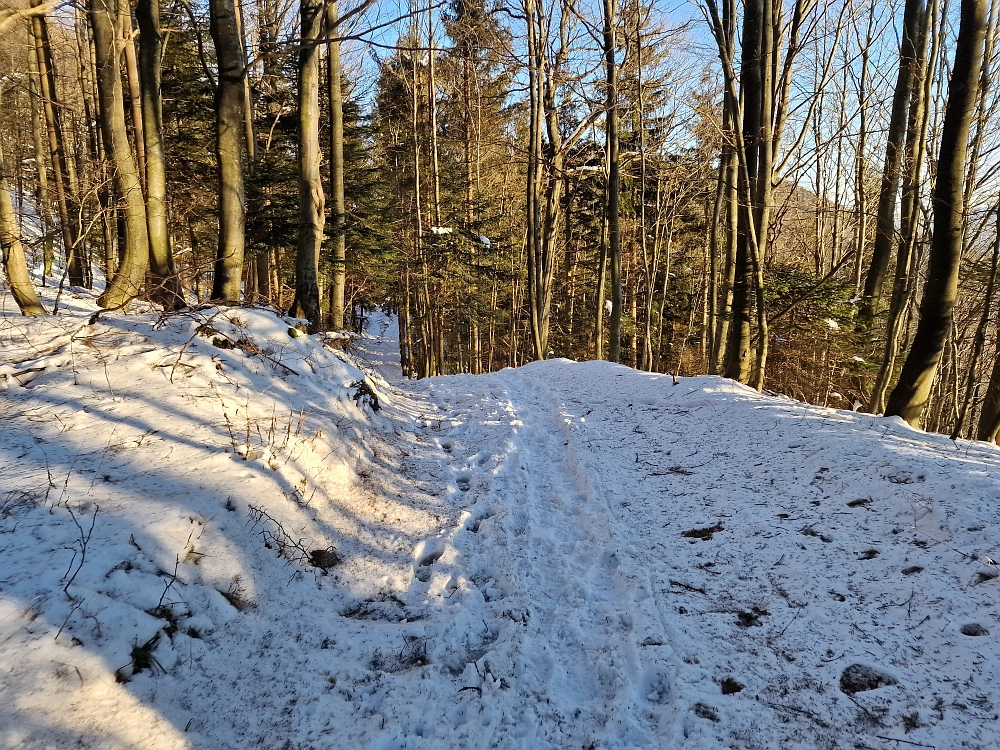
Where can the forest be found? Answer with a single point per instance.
(801, 195)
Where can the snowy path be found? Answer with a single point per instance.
(576, 658)
(814, 540)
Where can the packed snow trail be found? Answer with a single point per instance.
(565, 555)
(693, 564)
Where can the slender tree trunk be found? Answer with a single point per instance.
(614, 178)
(861, 163)
(737, 353)
(135, 258)
(230, 149)
(533, 230)
(132, 79)
(311, 198)
(14, 263)
(37, 141)
(432, 108)
(164, 278)
(885, 223)
(336, 172)
(60, 165)
(979, 343)
(765, 170)
(937, 307)
(912, 162)
(602, 281)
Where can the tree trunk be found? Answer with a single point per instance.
(37, 141)
(135, 259)
(230, 149)
(937, 306)
(885, 222)
(737, 364)
(913, 160)
(166, 284)
(60, 166)
(132, 79)
(336, 171)
(432, 108)
(614, 179)
(311, 198)
(14, 263)
(861, 165)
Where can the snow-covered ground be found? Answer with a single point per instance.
(210, 537)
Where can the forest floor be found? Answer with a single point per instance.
(210, 537)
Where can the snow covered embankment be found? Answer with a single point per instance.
(187, 503)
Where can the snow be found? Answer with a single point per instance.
(563, 555)
(442, 230)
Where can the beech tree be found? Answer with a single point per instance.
(910, 395)
(231, 149)
(14, 263)
(311, 197)
(129, 279)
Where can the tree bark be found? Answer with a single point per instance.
(60, 166)
(128, 281)
(937, 306)
(311, 198)
(614, 179)
(14, 263)
(912, 162)
(37, 140)
(166, 284)
(338, 213)
(231, 150)
(737, 364)
(885, 221)
(132, 79)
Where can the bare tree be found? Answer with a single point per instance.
(128, 281)
(14, 263)
(165, 281)
(910, 395)
(231, 149)
(311, 198)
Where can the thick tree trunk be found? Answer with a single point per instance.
(135, 259)
(230, 148)
(937, 307)
(166, 284)
(338, 214)
(14, 263)
(311, 198)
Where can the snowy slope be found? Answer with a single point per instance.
(567, 555)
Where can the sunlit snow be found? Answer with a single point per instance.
(288, 546)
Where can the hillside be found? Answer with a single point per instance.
(217, 533)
